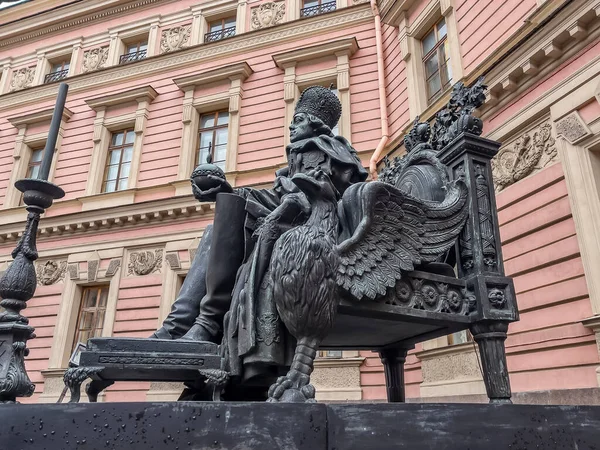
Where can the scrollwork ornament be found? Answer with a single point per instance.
(145, 262)
(22, 78)
(175, 38)
(571, 128)
(16, 383)
(431, 296)
(267, 14)
(94, 59)
(51, 272)
(497, 298)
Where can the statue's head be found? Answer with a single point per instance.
(317, 112)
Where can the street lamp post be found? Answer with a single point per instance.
(18, 284)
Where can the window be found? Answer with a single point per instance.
(220, 29)
(92, 309)
(330, 354)
(438, 75)
(134, 51)
(316, 7)
(213, 138)
(33, 168)
(58, 71)
(336, 130)
(118, 165)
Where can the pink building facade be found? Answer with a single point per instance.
(156, 84)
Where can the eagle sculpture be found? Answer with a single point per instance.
(312, 266)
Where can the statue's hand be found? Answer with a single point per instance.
(210, 195)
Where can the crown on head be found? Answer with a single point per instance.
(321, 103)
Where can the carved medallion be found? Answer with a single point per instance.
(51, 272)
(94, 59)
(145, 262)
(571, 128)
(267, 14)
(175, 38)
(528, 154)
(22, 78)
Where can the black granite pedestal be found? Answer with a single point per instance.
(248, 426)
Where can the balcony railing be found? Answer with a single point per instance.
(220, 34)
(317, 9)
(56, 76)
(133, 56)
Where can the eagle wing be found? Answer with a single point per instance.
(396, 232)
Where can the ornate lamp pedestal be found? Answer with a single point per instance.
(17, 286)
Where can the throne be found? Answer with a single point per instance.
(466, 290)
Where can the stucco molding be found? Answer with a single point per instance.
(175, 38)
(194, 55)
(338, 362)
(347, 46)
(573, 28)
(573, 128)
(234, 71)
(38, 116)
(267, 15)
(101, 220)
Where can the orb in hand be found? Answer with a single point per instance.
(206, 176)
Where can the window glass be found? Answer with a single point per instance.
(429, 42)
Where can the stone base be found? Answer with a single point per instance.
(229, 426)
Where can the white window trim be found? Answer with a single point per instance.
(194, 106)
(104, 126)
(203, 14)
(75, 281)
(342, 50)
(412, 51)
(67, 51)
(24, 142)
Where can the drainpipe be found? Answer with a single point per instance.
(385, 134)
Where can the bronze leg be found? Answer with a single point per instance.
(393, 363)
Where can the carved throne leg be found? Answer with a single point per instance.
(490, 337)
(393, 360)
(95, 387)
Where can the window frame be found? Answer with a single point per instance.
(224, 32)
(440, 43)
(322, 7)
(97, 332)
(107, 165)
(212, 129)
(136, 55)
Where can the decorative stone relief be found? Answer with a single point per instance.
(94, 59)
(22, 78)
(267, 15)
(113, 265)
(530, 152)
(145, 262)
(51, 272)
(92, 269)
(73, 271)
(175, 38)
(572, 128)
(172, 259)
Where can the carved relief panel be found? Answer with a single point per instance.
(94, 59)
(528, 153)
(50, 272)
(267, 15)
(175, 38)
(145, 262)
(22, 78)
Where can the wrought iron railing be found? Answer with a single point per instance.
(220, 34)
(317, 9)
(133, 56)
(56, 76)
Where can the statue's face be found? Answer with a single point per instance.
(301, 128)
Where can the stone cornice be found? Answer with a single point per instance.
(347, 46)
(392, 10)
(192, 56)
(592, 322)
(104, 219)
(144, 93)
(239, 71)
(338, 362)
(48, 22)
(38, 116)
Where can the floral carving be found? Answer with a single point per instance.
(529, 153)
(94, 59)
(22, 78)
(51, 272)
(571, 128)
(145, 263)
(267, 14)
(175, 38)
(497, 298)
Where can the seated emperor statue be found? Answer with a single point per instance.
(206, 294)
